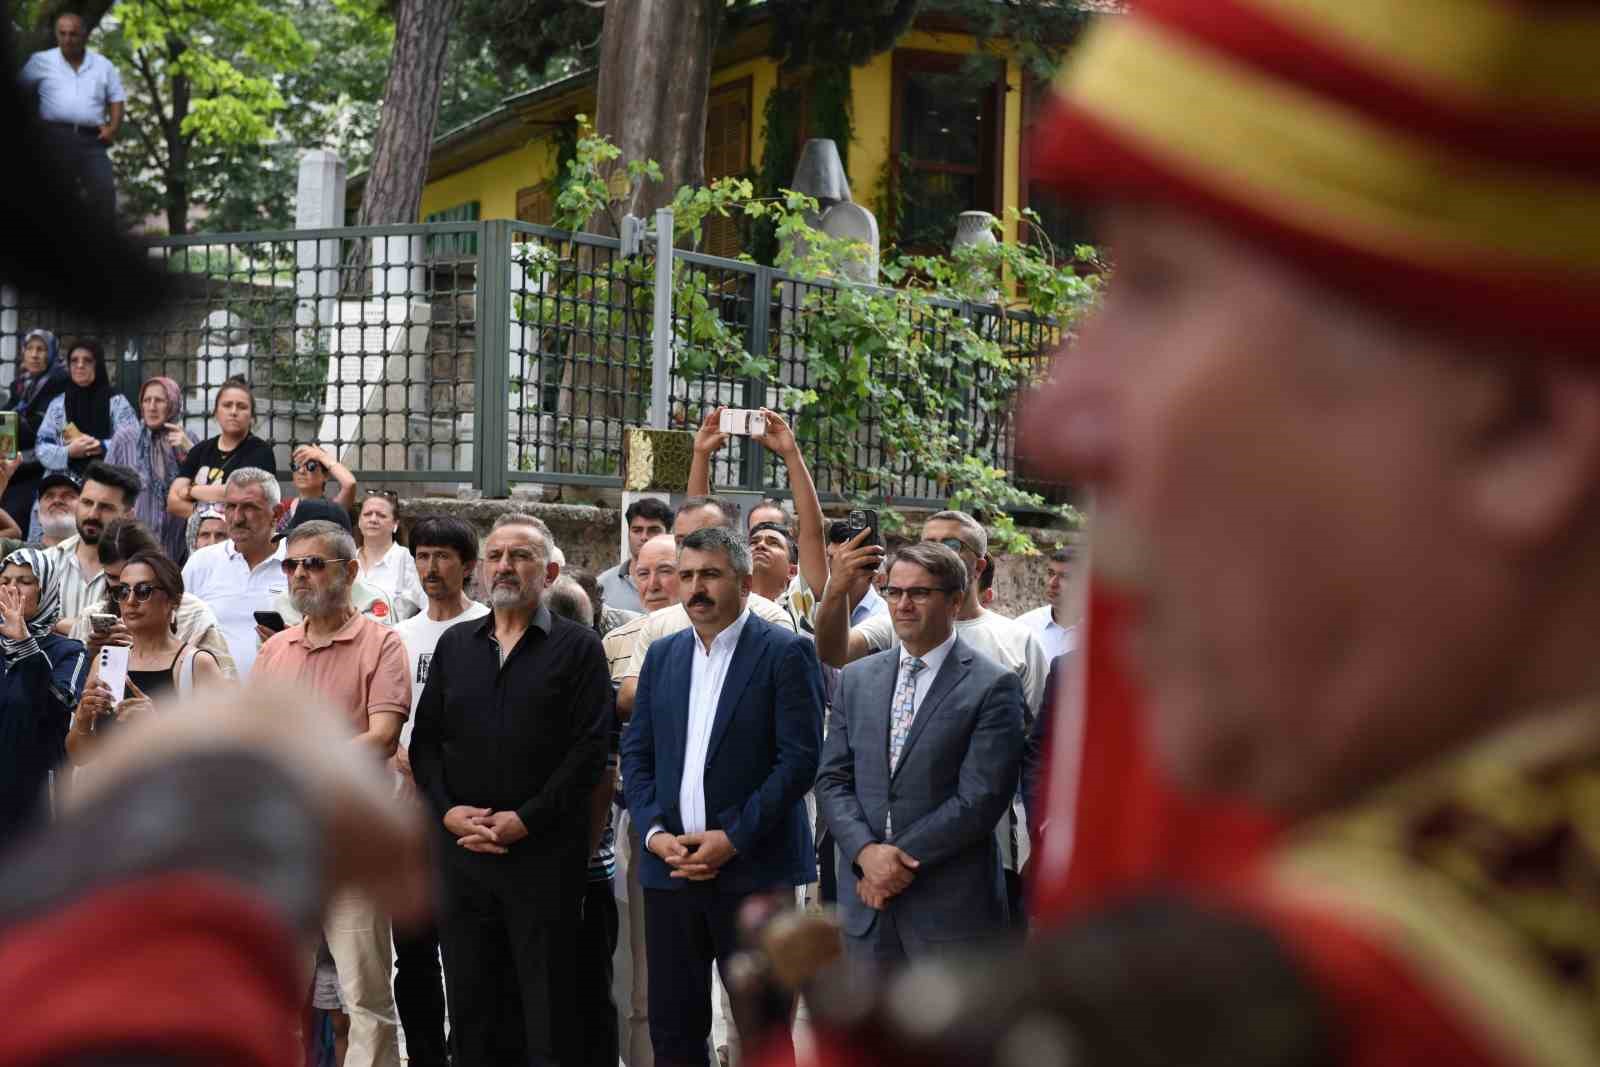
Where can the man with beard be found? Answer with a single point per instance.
(510, 741)
(108, 493)
(359, 666)
(58, 506)
(241, 576)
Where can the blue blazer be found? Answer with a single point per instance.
(765, 743)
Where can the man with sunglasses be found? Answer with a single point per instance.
(368, 599)
(1003, 640)
(919, 869)
(359, 667)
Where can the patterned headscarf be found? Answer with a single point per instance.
(43, 565)
(25, 387)
(156, 460)
(201, 513)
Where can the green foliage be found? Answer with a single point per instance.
(937, 375)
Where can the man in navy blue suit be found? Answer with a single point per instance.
(716, 761)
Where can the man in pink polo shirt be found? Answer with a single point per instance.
(360, 666)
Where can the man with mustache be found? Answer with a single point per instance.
(511, 739)
(358, 665)
(241, 576)
(716, 761)
(108, 493)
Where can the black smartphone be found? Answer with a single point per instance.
(863, 519)
(272, 621)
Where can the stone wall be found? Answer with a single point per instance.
(588, 535)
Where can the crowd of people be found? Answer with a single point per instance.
(616, 763)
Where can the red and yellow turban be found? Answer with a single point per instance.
(1441, 157)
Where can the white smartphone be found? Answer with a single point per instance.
(114, 671)
(742, 421)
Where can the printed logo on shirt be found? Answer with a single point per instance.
(422, 667)
(379, 609)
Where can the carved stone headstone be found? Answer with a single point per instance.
(852, 222)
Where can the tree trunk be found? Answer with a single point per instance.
(178, 145)
(393, 193)
(655, 74)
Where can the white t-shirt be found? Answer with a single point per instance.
(421, 636)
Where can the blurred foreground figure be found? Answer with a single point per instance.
(1341, 408)
(164, 919)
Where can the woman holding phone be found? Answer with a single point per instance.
(160, 667)
(41, 673)
(155, 448)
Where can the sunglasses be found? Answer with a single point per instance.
(312, 564)
(139, 591)
(956, 545)
(310, 466)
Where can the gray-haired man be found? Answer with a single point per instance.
(241, 576)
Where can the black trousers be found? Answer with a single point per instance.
(419, 996)
(509, 969)
(685, 931)
(90, 168)
(597, 945)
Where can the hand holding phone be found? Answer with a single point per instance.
(271, 620)
(743, 422)
(114, 671)
(102, 621)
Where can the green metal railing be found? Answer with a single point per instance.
(482, 353)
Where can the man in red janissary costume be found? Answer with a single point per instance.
(1340, 408)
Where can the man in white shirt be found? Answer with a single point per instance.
(108, 493)
(1001, 639)
(446, 550)
(1049, 621)
(81, 104)
(244, 574)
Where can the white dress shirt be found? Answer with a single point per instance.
(932, 660)
(706, 675)
(396, 575)
(1057, 640)
(81, 97)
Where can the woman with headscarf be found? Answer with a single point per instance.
(155, 447)
(39, 378)
(81, 422)
(206, 526)
(42, 681)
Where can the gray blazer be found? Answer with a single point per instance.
(957, 775)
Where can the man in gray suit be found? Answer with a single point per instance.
(921, 760)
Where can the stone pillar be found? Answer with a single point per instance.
(10, 343)
(318, 204)
(397, 269)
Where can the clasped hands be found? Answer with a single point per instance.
(886, 872)
(697, 857)
(484, 830)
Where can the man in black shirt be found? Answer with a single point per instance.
(510, 738)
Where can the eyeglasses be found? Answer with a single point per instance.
(387, 494)
(956, 545)
(310, 466)
(140, 591)
(313, 564)
(919, 594)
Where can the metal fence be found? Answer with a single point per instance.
(489, 353)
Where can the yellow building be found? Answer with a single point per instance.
(935, 132)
